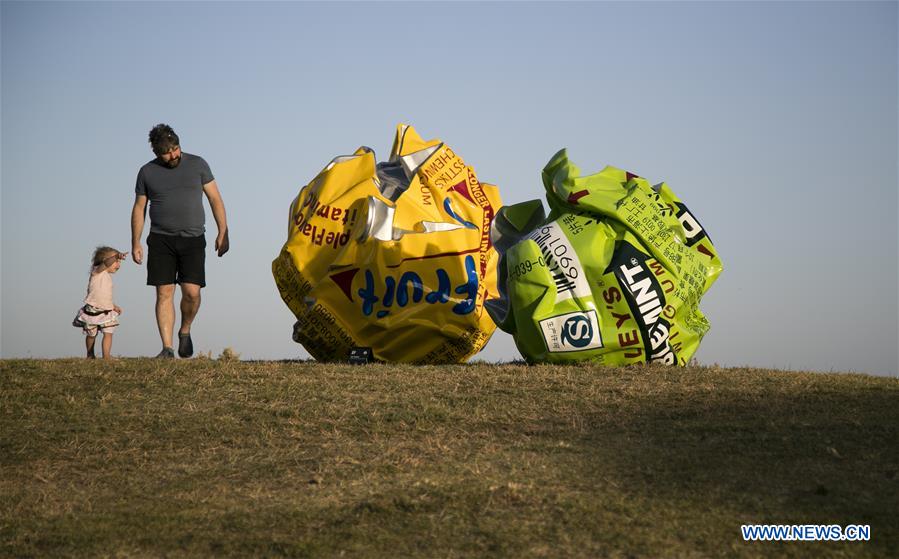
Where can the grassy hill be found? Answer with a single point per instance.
(204, 457)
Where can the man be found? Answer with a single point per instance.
(174, 183)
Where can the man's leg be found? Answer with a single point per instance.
(190, 305)
(165, 314)
(162, 263)
(192, 276)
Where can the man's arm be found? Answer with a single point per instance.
(138, 214)
(218, 212)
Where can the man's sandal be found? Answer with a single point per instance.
(185, 345)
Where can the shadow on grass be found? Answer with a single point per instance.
(788, 452)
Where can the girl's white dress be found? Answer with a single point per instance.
(98, 310)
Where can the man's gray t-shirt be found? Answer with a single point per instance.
(175, 195)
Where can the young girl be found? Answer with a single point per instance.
(99, 312)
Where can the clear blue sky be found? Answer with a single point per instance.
(775, 122)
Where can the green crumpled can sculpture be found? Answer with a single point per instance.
(613, 275)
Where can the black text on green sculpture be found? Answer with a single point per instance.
(613, 275)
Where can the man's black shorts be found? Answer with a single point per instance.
(172, 259)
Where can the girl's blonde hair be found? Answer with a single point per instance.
(102, 253)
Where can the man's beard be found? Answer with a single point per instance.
(172, 163)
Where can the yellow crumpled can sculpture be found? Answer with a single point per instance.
(395, 256)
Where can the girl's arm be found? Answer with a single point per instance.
(109, 261)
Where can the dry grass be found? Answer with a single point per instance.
(203, 457)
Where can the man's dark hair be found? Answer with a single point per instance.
(163, 139)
